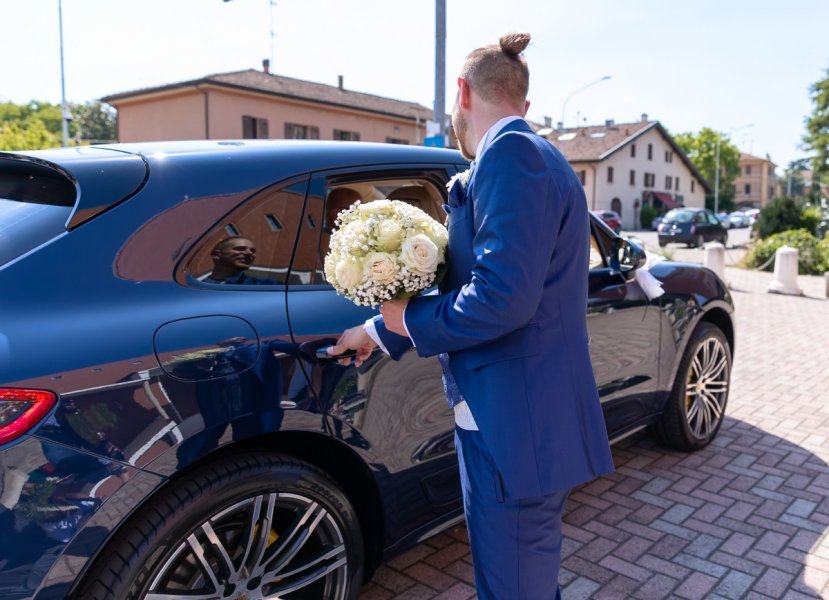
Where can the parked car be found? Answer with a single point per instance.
(168, 426)
(692, 226)
(724, 220)
(612, 218)
(752, 214)
(739, 219)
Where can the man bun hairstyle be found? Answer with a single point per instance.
(513, 44)
(498, 72)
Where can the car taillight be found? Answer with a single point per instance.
(20, 410)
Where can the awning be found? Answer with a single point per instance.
(666, 199)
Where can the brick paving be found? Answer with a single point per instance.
(746, 517)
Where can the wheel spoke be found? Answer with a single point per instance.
(294, 541)
(221, 551)
(693, 416)
(198, 551)
(696, 369)
(718, 368)
(306, 580)
(260, 539)
(324, 556)
(154, 596)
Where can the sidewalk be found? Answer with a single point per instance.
(747, 517)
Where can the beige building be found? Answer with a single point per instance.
(256, 104)
(625, 166)
(756, 184)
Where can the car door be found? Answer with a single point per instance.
(392, 412)
(624, 328)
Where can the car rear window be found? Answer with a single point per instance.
(679, 216)
(35, 203)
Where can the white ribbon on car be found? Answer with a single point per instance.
(650, 284)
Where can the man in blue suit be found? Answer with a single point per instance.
(510, 326)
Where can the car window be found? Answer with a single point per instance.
(330, 196)
(712, 219)
(253, 245)
(679, 216)
(596, 259)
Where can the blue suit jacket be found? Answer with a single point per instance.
(512, 316)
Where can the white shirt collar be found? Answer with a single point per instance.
(491, 134)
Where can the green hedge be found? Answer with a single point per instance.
(813, 254)
(646, 215)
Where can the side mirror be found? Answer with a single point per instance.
(627, 257)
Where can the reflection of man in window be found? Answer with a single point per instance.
(231, 258)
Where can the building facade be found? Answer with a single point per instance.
(256, 104)
(756, 185)
(626, 166)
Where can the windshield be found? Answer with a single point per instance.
(35, 204)
(679, 216)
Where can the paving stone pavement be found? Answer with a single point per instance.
(747, 517)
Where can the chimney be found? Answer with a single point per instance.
(266, 65)
(560, 125)
(548, 122)
(340, 81)
(644, 117)
(609, 123)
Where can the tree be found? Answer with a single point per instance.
(95, 122)
(817, 130)
(792, 183)
(27, 134)
(701, 149)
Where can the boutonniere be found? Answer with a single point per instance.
(457, 188)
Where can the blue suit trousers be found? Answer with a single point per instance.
(516, 544)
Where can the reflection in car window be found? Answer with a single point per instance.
(252, 246)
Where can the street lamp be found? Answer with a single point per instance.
(573, 93)
(717, 171)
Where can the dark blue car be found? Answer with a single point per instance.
(168, 428)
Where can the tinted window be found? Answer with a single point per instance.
(332, 195)
(254, 244)
(35, 204)
(679, 216)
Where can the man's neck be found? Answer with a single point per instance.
(488, 116)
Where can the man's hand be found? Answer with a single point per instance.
(357, 339)
(392, 312)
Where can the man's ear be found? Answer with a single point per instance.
(526, 107)
(464, 93)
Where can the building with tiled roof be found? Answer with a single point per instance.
(756, 185)
(258, 104)
(625, 166)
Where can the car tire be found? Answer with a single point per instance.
(724, 239)
(691, 419)
(202, 534)
(662, 243)
(698, 242)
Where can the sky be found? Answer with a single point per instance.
(733, 65)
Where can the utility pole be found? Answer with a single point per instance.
(440, 68)
(64, 110)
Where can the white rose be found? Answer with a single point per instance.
(438, 234)
(420, 254)
(349, 273)
(389, 234)
(375, 207)
(380, 267)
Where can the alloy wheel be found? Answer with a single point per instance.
(706, 388)
(273, 545)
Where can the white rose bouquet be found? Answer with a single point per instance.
(383, 250)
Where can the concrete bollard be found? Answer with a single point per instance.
(785, 272)
(826, 276)
(715, 258)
